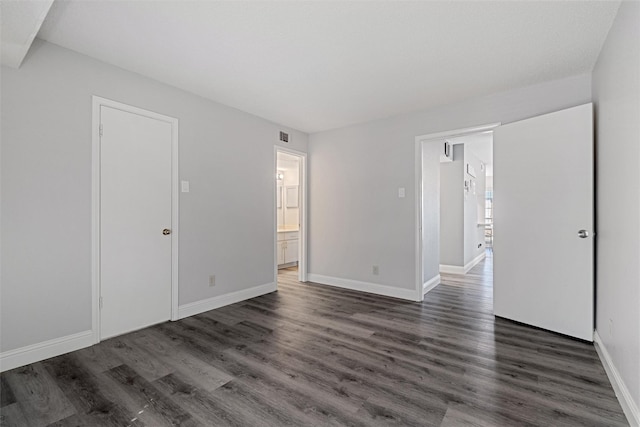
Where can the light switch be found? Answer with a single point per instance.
(185, 186)
(401, 192)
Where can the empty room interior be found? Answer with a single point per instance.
(268, 213)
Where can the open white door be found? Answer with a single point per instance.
(543, 222)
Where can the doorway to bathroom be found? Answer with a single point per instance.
(290, 251)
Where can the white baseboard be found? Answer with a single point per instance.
(356, 285)
(451, 269)
(36, 352)
(622, 392)
(193, 308)
(430, 284)
(457, 269)
(474, 262)
(287, 265)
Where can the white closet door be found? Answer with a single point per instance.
(135, 208)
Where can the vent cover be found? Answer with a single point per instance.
(284, 137)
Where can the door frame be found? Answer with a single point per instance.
(419, 140)
(302, 232)
(97, 103)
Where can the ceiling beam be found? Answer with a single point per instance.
(21, 20)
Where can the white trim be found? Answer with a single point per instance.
(302, 232)
(98, 102)
(430, 284)
(36, 352)
(619, 387)
(95, 219)
(175, 216)
(456, 269)
(451, 269)
(458, 132)
(193, 308)
(275, 215)
(372, 288)
(418, 220)
(418, 191)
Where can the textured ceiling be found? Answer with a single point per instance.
(321, 65)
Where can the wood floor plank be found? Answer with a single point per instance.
(154, 408)
(94, 403)
(303, 407)
(459, 415)
(141, 360)
(236, 397)
(300, 316)
(39, 395)
(199, 372)
(72, 421)
(98, 358)
(6, 394)
(316, 397)
(200, 404)
(13, 415)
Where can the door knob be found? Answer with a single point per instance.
(583, 234)
(166, 231)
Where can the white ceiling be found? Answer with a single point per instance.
(325, 64)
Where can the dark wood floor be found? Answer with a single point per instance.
(317, 355)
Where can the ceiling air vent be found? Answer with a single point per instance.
(284, 137)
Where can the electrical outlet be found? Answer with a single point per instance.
(212, 280)
(375, 270)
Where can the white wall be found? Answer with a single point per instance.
(452, 209)
(357, 171)
(473, 208)
(430, 210)
(460, 210)
(616, 93)
(226, 221)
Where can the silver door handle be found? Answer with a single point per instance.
(583, 234)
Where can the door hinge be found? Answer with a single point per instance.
(100, 129)
(100, 302)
